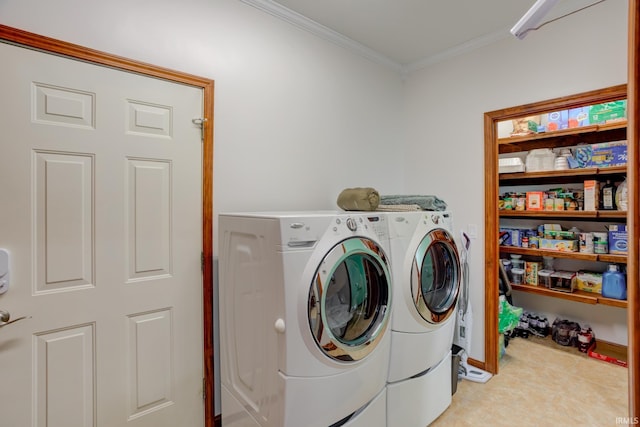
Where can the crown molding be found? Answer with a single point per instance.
(304, 23)
(458, 50)
(323, 32)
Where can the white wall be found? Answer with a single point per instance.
(445, 104)
(297, 119)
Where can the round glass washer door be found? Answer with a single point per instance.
(435, 276)
(349, 300)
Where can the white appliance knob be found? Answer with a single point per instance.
(279, 326)
(351, 224)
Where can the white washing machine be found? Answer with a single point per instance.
(426, 277)
(305, 303)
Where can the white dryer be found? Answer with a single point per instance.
(426, 276)
(305, 302)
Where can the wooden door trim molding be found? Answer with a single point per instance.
(491, 152)
(58, 47)
(633, 276)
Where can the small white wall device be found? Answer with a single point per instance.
(4, 271)
(533, 16)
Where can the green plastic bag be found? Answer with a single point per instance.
(508, 315)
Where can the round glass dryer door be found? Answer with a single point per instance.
(349, 300)
(435, 276)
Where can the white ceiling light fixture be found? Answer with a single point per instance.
(533, 16)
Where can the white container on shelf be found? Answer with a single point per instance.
(510, 165)
(518, 276)
(540, 159)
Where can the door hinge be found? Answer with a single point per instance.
(202, 261)
(200, 121)
(204, 389)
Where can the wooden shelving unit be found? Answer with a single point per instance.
(497, 146)
(564, 138)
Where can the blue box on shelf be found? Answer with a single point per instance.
(602, 155)
(618, 239)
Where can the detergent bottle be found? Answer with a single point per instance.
(613, 283)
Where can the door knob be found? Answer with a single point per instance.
(5, 318)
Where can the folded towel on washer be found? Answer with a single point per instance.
(359, 199)
(426, 202)
(398, 208)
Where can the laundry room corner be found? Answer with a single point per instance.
(445, 146)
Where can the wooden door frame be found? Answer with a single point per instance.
(491, 153)
(58, 47)
(633, 276)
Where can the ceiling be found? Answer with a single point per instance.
(409, 33)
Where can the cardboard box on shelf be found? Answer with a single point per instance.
(556, 120)
(591, 197)
(618, 239)
(558, 204)
(534, 200)
(588, 281)
(551, 227)
(549, 204)
(525, 125)
(606, 154)
(608, 111)
(531, 269)
(560, 235)
(559, 245)
(510, 237)
(578, 117)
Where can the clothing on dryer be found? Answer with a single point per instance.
(426, 202)
(359, 199)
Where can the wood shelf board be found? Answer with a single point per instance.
(588, 172)
(577, 296)
(592, 134)
(583, 297)
(548, 252)
(578, 215)
(548, 214)
(613, 214)
(612, 302)
(618, 259)
(563, 133)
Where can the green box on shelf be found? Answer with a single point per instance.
(560, 235)
(607, 111)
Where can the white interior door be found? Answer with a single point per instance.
(100, 177)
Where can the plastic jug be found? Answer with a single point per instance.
(614, 284)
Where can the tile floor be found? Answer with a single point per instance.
(539, 386)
